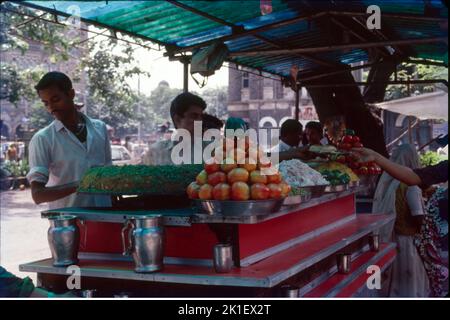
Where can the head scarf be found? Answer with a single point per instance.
(384, 198)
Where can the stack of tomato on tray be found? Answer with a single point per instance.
(238, 178)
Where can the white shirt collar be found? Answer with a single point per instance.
(59, 125)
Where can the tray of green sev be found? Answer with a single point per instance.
(139, 179)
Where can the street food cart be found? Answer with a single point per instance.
(299, 246)
(296, 246)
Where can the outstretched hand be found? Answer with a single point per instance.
(365, 154)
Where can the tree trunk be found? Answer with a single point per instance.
(349, 102)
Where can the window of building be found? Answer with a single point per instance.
(278, 90)
(245, 80)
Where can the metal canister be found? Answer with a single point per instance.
(290, 291)
(145, 242)
(223, 257)
(374, 242)
(344, 262)
(63, 239)
(90, 293)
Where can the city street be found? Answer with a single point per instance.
(23, 234)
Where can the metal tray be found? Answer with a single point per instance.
(316, 191)
(336, 188)
(298, 199)
(239, 208)
(354, 184)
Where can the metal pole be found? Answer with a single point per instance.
(409, 82)
(139, 110)
(338, 47)
(185, 76)
(297, 103)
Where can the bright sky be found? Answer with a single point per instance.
(161, 69)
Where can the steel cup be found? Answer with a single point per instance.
(374, 242)
(344, 263)
(290, 291)
(88, 293)
(223, 257)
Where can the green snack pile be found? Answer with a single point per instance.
(299, 192)
(335, 177)
(140, 179)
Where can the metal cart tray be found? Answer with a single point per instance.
(239, 208)
(354, 184)
(298, 199)
(336, 188)
(316, 191)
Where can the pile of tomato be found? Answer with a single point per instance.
(349, 141)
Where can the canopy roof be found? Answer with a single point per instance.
(307, 33)
(425, 106)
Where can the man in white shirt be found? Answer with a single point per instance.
(290, 136)
(62, 152)
(185, 109)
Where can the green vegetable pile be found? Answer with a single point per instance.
(431, 158)
(140, 179)
(299, 192)
(335, 177)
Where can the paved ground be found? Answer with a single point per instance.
(23, 234)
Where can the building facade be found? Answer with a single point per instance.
(263, 102)
(15, 118)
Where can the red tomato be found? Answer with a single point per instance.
(347, 139)
(372, 170)
(357, 145)
(354, 165)
(341, 159)
(346, 146)
(355, 139)
(363, 170)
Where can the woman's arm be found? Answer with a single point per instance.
(399, 172)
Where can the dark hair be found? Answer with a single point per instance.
(54, 78)
(314, 125)
(291, 126)
(183, 101)
(211, 122)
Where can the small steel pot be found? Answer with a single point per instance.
(88, 293)
(374, 242)
(344, 263)
(290, 291)
(223, 257)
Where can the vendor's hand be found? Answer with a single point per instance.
(303, 153)
(73, 184)
(429, 192)
(365, 154)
